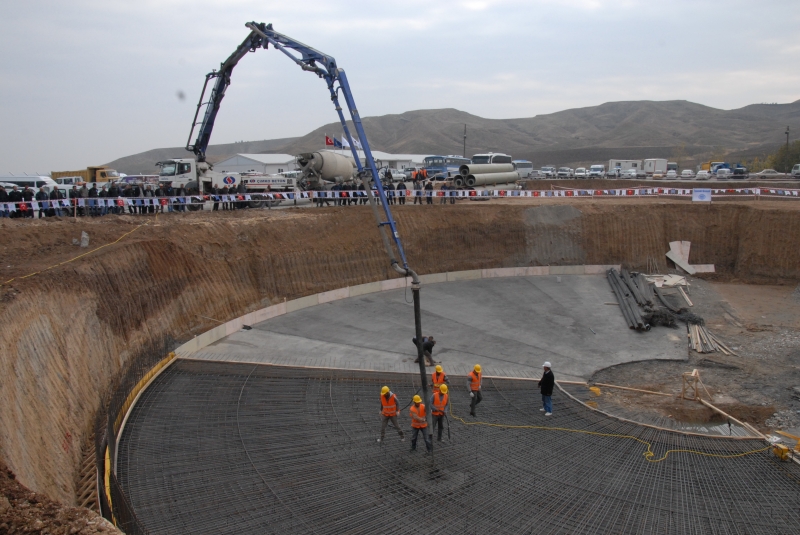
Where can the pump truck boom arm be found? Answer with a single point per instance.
(324, 66)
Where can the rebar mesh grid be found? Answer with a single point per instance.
(237, 448)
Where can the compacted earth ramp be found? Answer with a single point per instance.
(240, 448)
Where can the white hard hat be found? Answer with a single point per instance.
(546, 365)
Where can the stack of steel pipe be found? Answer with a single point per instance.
(638, 287)
(627, 302)
(487, 173)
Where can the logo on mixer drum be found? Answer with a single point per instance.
(229, 180)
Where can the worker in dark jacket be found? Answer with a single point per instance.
(42, 197)
(3, 199)
(93, 211)
(429, 193)
(389, 190)
(55, 197)
(362, 193)
(15, 196)
(427, 349)
(27, 196)
(401, 192)
(546, 386)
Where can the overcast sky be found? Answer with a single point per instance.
(85, 82)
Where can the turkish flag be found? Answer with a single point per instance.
(328, 142)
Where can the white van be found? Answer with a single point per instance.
(33, 182)
(796, 170)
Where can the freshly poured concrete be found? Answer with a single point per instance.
(508, 325)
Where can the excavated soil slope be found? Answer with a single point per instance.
(67, 331)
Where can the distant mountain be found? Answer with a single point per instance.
(638, 129)
(676, 129)
(145, 162)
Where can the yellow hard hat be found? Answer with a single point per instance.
(443, 389)
(477, 368)
(384, 390)
(417, 399)
(438, 369)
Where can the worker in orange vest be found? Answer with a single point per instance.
(418, 424)
(389, 412)
(474, 380)
(439, 401)
(438, 378)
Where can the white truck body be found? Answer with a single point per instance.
(617, 167)
(652, 166)
(523, 167)
(187, 172)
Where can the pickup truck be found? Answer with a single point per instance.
(548, 171)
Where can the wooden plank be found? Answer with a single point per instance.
(680, 263)
(634, 389)
(685, 297)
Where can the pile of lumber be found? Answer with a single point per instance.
(702, 341)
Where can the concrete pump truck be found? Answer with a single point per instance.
(198, 176)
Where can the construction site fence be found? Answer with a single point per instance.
(114, 504)
(178, 202)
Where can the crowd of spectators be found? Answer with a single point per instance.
(93, 201)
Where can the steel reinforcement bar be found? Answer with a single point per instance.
(240, 448)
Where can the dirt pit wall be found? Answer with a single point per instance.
(68, 330)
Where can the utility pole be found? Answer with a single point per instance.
(464, 154)
(786, 165)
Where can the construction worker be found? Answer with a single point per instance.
(439, 401)
(418, 424)
(474, 380)
(389, 405)
(546, 386)
(438, 378)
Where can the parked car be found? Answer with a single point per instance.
(658, 175)
(687, 173)
(548, 171)
(628, 173)
(597, 171)
(722, 174)
(796, 170)
(768, 173)
(641, 173)
(672, 174)
(580, 172)
(740, 172)
(564, 172)
(703, 175)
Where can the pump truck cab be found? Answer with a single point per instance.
(197, 178)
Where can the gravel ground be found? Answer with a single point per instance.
(761, 384)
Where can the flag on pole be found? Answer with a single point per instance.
(337, 143)
(328, 142)
(345, 143)
(357, 143)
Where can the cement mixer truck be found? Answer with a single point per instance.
(321, 166)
